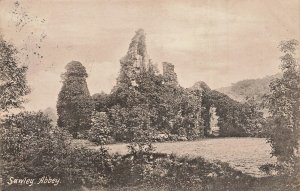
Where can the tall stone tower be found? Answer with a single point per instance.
(170, 77)
(136, 60)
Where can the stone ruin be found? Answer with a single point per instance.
(170, 77)
(137, 59)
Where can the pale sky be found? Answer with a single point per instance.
(218, 42)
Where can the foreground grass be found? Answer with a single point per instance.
(244, 154)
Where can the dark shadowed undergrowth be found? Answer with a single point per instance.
(154, 171)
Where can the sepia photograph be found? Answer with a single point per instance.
(149, 95)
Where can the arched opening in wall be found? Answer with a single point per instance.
(214, 128)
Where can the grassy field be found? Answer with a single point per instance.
(244, 154)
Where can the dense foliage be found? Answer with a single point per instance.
(100, 131)
(155, 107)
(284, 106)
(235, 119)
(13, 85)
(145, 101)
(31, 147)
(74, 105)
(101, 101)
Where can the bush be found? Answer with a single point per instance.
(173, 173)
(31, 147)
(100, 132)
(28, 142)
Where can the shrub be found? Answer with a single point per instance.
(156, 170)
(28, 142)
(31, 147)
(100, 132)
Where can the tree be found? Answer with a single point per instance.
(30, 146)
(51, 114)
(253, 117)
(74, 105)
(13, 84)
(283, 104)
(101, 101)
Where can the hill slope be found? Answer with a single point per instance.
(256, 88)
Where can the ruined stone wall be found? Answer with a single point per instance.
(169, 75)
(136, 60)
